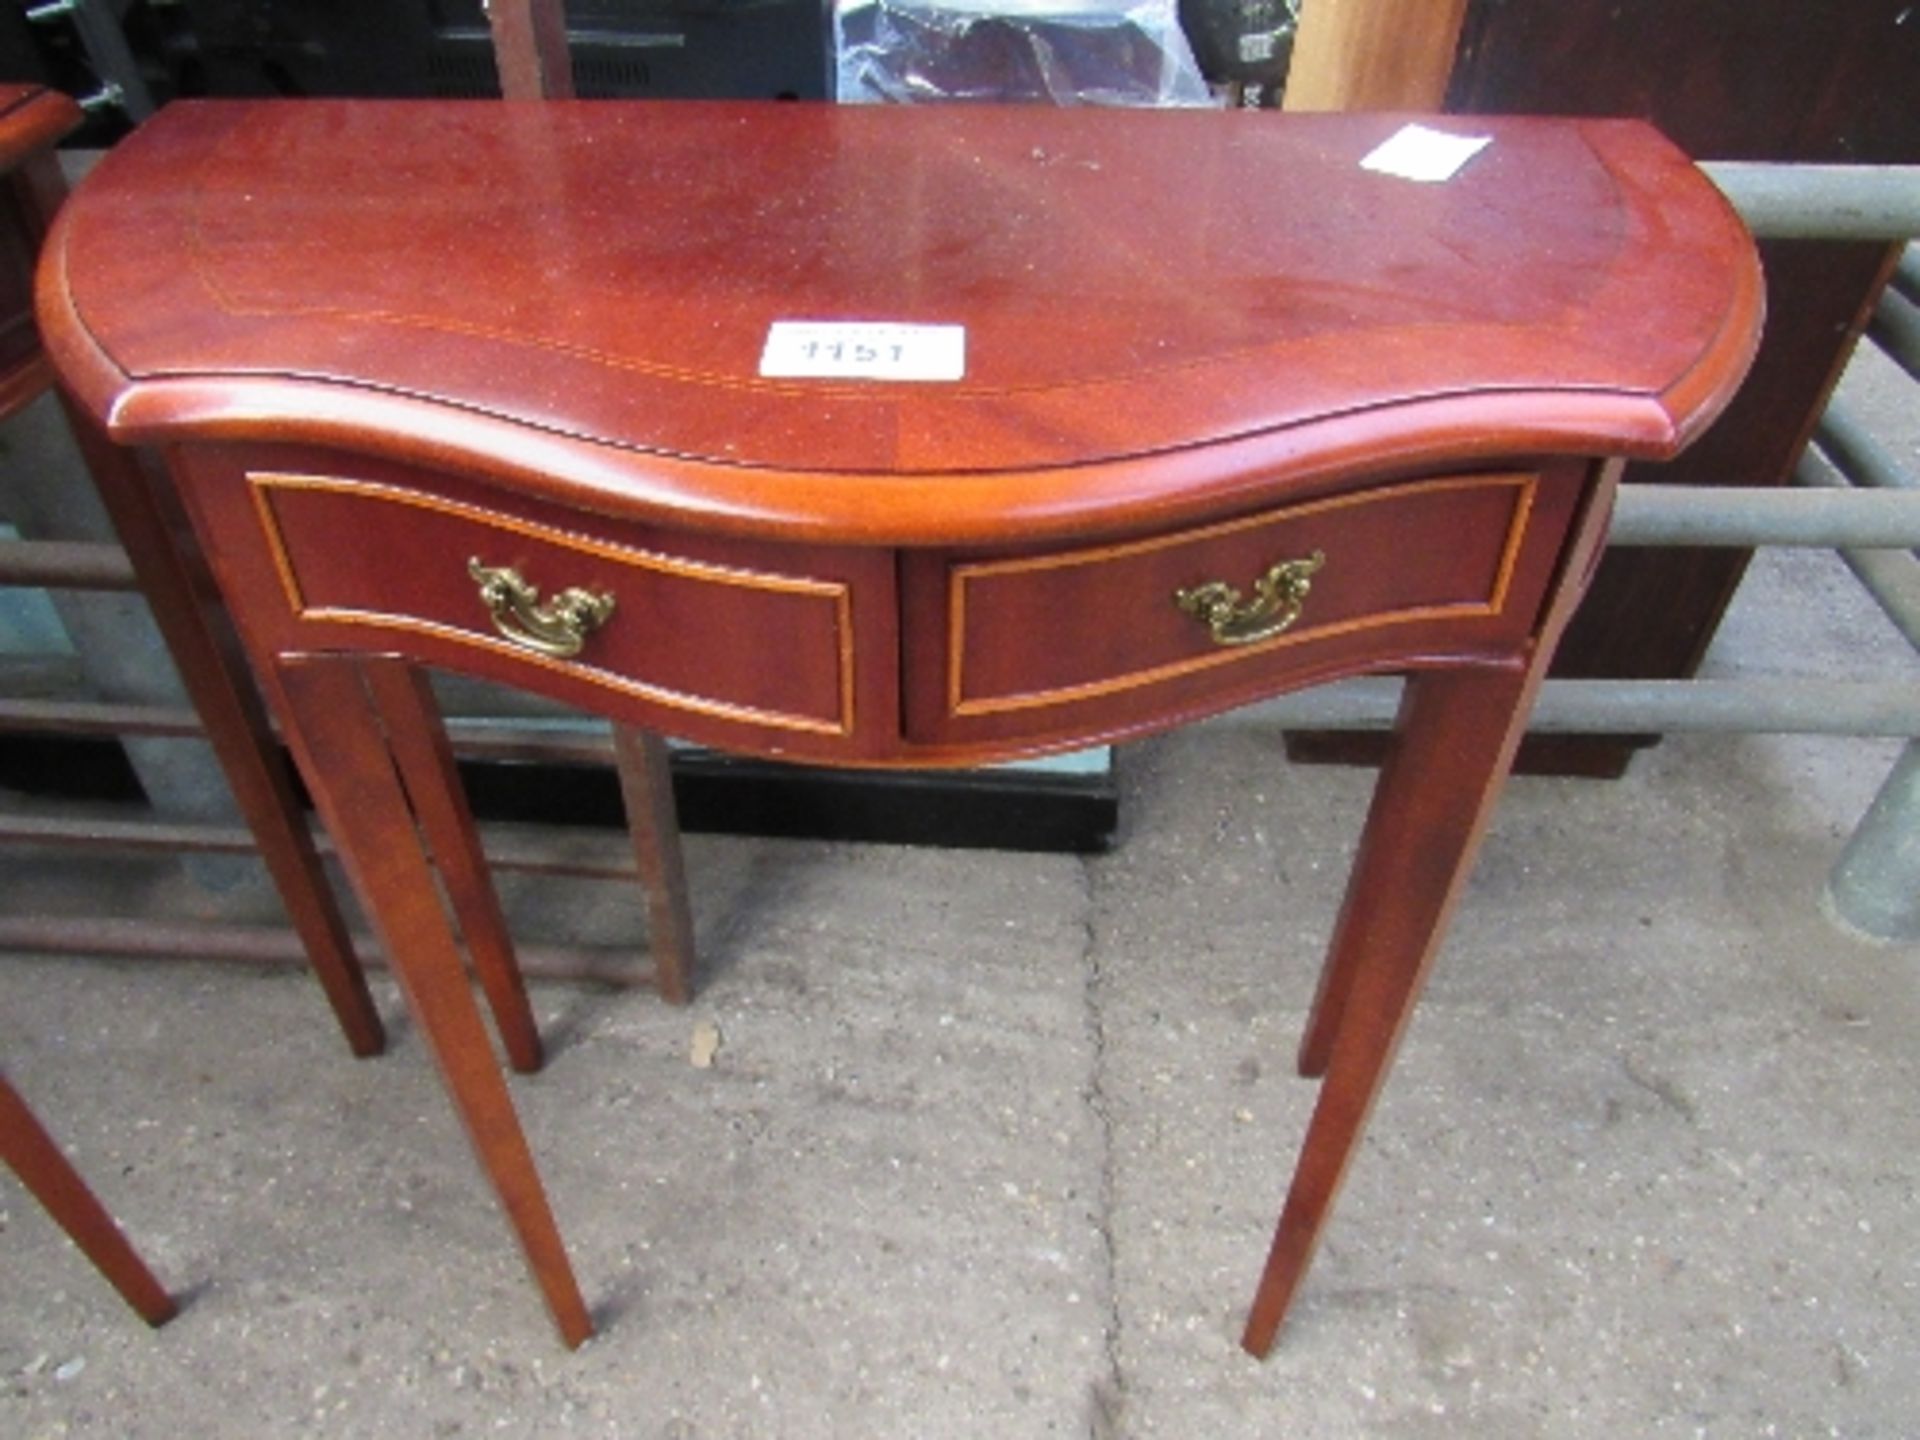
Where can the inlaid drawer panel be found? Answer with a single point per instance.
(1035, 640)
(760, 647)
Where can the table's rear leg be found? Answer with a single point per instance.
(646, 786)
(31, 1153)
(418, 740)
(345, 758)
(228, 705)
(1455, 739)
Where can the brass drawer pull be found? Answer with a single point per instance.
(559, 628)
(1278, 597)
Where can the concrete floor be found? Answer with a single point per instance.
(992, 1144)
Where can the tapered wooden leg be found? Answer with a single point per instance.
(646, 785)
(1454, 743)
(1456, 735)
(1366, 899)
(32, 1155)
(418, 740)
(224, 696)
(330, 715)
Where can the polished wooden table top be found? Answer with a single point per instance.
(1164, 313)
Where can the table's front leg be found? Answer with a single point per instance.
(336, 731)
(418, 739)
(1454, 743)
(1453, 747)
(1435, 791)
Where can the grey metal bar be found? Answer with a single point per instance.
(1822, 202)
(65, 564)
(50, 496)
(151, 939)
(1649, 515)
(1893, 580)
(133, 832)
(1906, 275)
(1810, 707)
(1895, 327)
(584, 741)
(1874, 887)
(547, 850)
(95, 717)
(1624, 707)
(101, 35)
(1856, 454)
(1891, 577)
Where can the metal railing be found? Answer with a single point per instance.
(1851, 496)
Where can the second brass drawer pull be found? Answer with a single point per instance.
(558, 628)
(1278, 598)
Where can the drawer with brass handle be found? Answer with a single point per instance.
(706, 639)
(1215, 614)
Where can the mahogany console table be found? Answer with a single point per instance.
(1189, 409)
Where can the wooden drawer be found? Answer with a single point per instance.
(695, 633)
(1093, 638)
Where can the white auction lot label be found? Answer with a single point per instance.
(863, 350)
(1415, 152)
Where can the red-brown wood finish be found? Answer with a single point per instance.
(1415, 856)
(196, 636)
(424, 758)
(31, 1153)
(572, 297)
(32, 120)
(335, 724)
(642, 760)
(199, 638)
(1197, 345)
(1120, 657)
(781, 650)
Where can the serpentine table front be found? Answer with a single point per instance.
(896, 437)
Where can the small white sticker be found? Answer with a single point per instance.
(1414, 152)
(859, 350)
